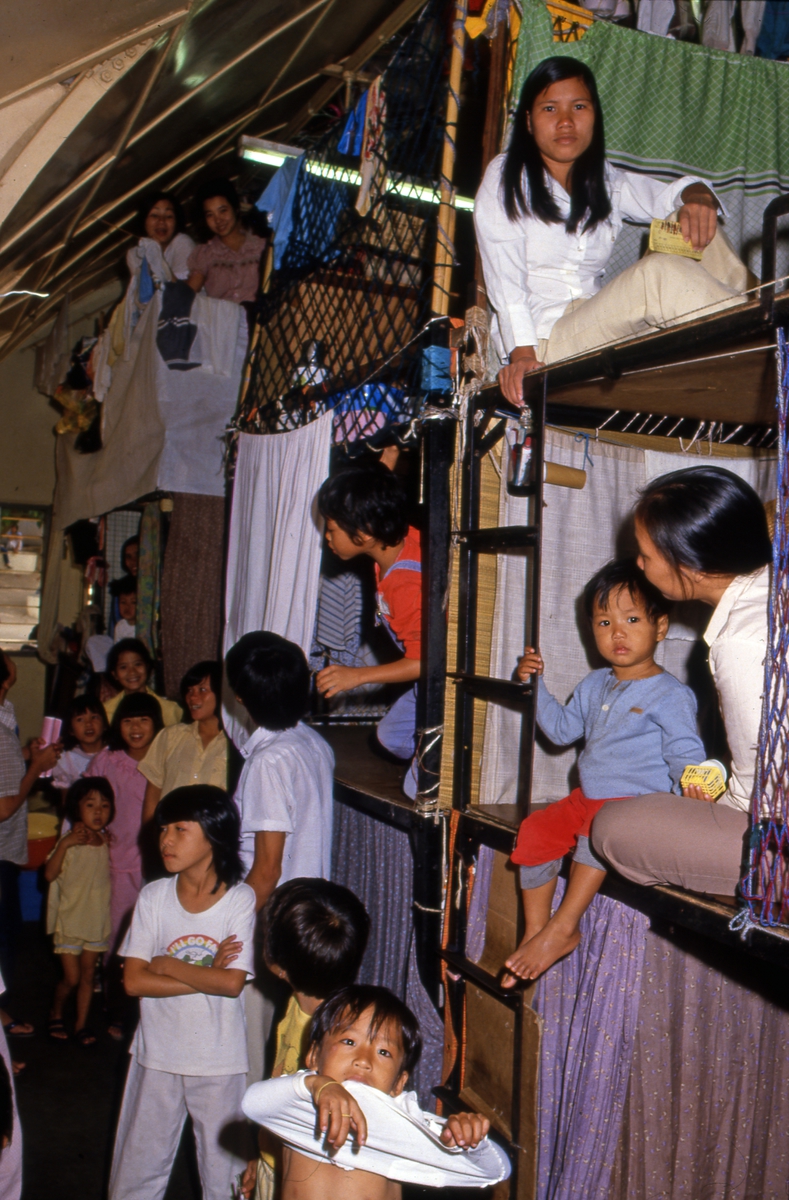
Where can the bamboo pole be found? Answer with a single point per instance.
(445, 243)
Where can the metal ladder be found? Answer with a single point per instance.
(485, 426)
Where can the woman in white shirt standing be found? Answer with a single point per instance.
(547, 215)
(702, 535)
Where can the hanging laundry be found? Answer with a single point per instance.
(149, 577)
(53, 355)
(192, 583)
(338, 625)
(352, 138)
(177, 331)
(373, 162)
(751, 16)
(717, 30)
(773, 41)
(146, 288)
(276, 202)
(655, 16)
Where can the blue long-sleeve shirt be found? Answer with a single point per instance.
(639, 734)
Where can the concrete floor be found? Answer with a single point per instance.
(68, 1095)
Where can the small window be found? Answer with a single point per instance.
(21, 564)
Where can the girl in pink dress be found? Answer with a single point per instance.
(136, 722)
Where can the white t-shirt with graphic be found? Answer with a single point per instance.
(199, 1034)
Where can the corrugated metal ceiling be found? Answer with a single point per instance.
(101, 102)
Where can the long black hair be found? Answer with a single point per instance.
(217, 815)
(589, 199)
(148, 202)
(211, 670)
(134, 704)
(706, 519)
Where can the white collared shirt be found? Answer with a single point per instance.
(737, 638)
(534, 270)
(287, 786)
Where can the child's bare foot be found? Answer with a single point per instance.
(513, 972)
(534, 957)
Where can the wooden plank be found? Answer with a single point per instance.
(487, 1085)
(528, 1121)
(736, 387)
(503, 921)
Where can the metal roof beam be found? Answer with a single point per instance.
(369, 46)
(99, 166)
(154, 30)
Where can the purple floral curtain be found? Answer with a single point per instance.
(589, 1005)
(707, 1116)
(374, 860)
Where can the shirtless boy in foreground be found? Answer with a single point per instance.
(367, 1039)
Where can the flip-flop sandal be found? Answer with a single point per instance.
(57, 1031)
(20, 1029)
(85, 1037)
(116, 1032)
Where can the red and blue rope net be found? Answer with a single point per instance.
(765, 887)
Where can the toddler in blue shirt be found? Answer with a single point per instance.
(639, 729)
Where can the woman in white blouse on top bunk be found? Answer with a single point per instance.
(547, 215)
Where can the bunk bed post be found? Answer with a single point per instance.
(438, 439)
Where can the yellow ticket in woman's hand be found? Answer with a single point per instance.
(666, 238)
(709, 775)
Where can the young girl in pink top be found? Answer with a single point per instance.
(136, 722)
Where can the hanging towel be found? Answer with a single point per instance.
(176, 332)
(277, 202)
(353, 133)
(338, 625)
(373, 161)
(275, 539)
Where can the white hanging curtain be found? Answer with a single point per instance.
(582, 530)
(274, 552)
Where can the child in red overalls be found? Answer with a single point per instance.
(365, 510)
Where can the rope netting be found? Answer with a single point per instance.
(342, 324)
(766, 885)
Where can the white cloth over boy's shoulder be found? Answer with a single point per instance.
(287, 786)
(197, 1034)
(403, 1141)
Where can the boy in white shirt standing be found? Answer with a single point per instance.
(285, 792)
(188, 954)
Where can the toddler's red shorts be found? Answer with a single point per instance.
(553, 831)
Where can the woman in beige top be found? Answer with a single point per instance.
(702, 535)
(195, 751)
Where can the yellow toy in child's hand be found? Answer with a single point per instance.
(665, 237)
(709, 775)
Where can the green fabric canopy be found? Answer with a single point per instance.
(672, 108)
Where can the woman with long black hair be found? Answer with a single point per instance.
(702, 535)
(547, 215)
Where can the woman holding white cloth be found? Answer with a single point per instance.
(547, 215)
(702, 535)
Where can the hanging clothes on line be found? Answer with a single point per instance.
(275, 539)
(192, 580)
